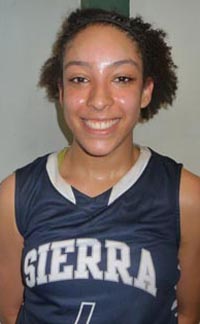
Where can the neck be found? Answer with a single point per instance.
(111, 167)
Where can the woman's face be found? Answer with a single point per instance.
(103, 89)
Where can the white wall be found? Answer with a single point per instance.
(176, 131)
(28, 123)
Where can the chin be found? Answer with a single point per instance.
(97, 153)
(97, 150)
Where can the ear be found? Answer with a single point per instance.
(147, 92)
(60, 89)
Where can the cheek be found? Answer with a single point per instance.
(73, 101)
(130, 102)
(73, 104)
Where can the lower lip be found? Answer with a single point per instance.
(106, 131)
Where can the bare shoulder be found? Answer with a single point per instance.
(11, 245)
(190, 186)
(7, 183)
(7, 193)
(189, 251)
(8, 228)
(190, 206)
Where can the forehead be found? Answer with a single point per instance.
(100, 41)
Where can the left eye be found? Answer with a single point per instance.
(78, 80)
(123, 79)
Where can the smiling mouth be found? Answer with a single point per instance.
(101, 124)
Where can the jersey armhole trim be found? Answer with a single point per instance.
(177, 207)
(17, 208)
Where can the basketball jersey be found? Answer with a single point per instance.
(111, 259)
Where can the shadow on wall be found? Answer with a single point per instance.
(62, 124)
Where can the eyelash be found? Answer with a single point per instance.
(78, 80)
(121, 79)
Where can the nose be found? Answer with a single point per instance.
(100, 97)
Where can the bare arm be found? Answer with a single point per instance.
(189, 253)
(11, 243)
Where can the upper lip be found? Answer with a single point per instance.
(100, 119)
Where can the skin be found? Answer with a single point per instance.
(11, 244)
(103, 85)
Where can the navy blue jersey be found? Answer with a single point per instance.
(111, 259)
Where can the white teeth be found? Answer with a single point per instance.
(101, 125)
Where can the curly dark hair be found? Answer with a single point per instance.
(155, 54)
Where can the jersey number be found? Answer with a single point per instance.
(85, 313)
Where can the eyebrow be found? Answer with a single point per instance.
(116, 63)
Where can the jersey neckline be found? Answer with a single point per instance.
(127, 181)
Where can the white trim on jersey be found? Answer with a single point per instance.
(57, 181)
(126, 182)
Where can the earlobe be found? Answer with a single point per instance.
(147, 92)
(60, 89)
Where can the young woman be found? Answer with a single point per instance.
(105, 231)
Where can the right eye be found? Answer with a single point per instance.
(78, 80)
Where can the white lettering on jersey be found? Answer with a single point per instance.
(41, 269)
(29, 268)
(86, 262)
(146, 278)
(58, 270)
(86, 256)
(118, 267)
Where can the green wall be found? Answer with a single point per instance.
(121, 6)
